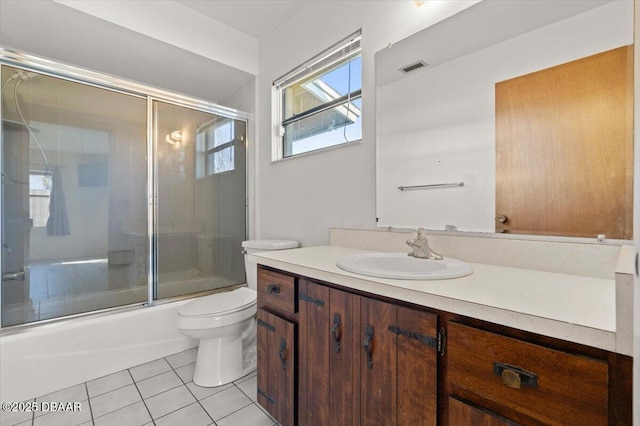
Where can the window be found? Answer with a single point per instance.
(39, 193)
(216, 148)
(319, 104)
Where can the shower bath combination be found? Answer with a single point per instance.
(78, 234)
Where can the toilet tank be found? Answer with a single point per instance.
(256, 246)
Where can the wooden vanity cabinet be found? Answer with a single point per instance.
(329, 349)
(399, 366)
(276, 366)
(277, 345)
(360, 361)
(369, 360)
(546, 385)
(463, 413)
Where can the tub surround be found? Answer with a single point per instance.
(545, 291)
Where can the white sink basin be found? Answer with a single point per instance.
(400, 266)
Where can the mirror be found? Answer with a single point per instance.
(436, 123)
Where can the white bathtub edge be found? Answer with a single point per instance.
(53, 357)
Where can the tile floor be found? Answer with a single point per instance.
(160, 393)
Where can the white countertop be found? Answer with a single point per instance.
(569, 307)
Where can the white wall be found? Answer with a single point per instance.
(52, 30)
(301, 198)
(192, 31)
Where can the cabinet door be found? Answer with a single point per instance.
(344, 359)
(417, 367)
(462, 414)
(329, 349)
(378, 363)
(276, 366)
(313, 351)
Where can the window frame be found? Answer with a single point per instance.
(340, 53)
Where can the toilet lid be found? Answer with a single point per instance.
(220, 303)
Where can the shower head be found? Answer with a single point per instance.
(20, 76)
(24, 76)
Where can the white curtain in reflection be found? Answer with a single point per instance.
(58, 222)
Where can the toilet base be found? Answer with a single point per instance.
(220, 361)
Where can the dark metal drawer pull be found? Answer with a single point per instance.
(515, 377)
(335, 332)
(273, 289)
(368, 337)
(282, 353)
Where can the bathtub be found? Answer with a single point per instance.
(50, 357)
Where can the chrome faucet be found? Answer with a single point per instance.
(420, 246)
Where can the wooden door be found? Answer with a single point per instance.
(276, 367)
(462, 414)
(564, 149)
(378, 363)
(417, 367)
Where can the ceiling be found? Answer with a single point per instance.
(254, 18)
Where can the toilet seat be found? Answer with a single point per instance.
(219, 304)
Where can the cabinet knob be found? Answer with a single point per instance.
(502, 218)
(515, 377)
(273, 289)
(511, 379)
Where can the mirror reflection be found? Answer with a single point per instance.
(552, 159)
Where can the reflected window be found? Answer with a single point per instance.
(216, 144)
(39, 194)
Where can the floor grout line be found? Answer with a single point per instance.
(241, 408)
(86, 388)
(192, 394)
(141, 397)
(183, 382)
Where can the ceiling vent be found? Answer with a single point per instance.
(414, 66)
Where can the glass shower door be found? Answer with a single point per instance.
(201, 193)
(16, 225)
(74, 210)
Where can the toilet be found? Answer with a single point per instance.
(225, 324)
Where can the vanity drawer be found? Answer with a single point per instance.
(277, 290)
(548, 385)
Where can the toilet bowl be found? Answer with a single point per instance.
(225, 325)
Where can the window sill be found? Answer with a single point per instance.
(318, 151)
